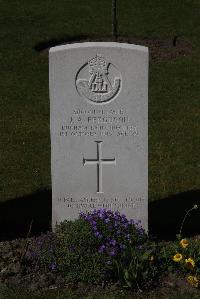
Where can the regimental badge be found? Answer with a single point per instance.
(103, 82)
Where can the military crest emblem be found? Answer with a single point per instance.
(98, 80)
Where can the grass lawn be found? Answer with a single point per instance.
(174, 89)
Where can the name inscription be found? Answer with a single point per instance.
(99, 122)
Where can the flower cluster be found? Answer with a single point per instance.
(103, 245)
(113, 230)
(193, 281)
(188, 263)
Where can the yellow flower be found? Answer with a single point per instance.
(184, 243)
(190, 262)
(177, 257)
(193, 280)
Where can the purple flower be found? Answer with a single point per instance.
(52, 266)
(131, 221)
(102, 248)
(71, 248)
(101, 211)
(88, 218)
(39, 242)
(81, 214)
(122, 246)
(138, 223)
(113, 242)
(140, 247)
(113, 228)
(98, 235)
(140, 230)
(31, 254)
(112, 252)
(93, 222)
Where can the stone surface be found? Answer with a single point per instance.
(99, 129)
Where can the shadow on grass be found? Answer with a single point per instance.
(46, 44)
(58, 41)
(16, 215)
(165, 215)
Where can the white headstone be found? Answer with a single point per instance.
(99, 129)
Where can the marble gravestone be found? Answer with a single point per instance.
(99, 129)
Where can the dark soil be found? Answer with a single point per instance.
(15, 271)
(160, 49)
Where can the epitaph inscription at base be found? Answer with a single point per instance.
(99, 129)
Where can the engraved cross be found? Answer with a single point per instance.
(99, 162)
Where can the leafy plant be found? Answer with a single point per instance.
(103, 246)
(77, 256)
(41, 251)
(123, 243)
(183, 256)
(88, 248)
(139, 266)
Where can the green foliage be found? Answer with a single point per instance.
(123, 243)
(71, 252)
(139, 266)
(42, 250)
(89, 248)
(77, 256)
(103, 246)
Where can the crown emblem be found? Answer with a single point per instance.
(98, 87)
(97, 64)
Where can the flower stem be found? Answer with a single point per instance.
(184, 218)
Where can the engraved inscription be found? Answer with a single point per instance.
(98, 123)
(99, 162)
(98, 88)
(113, 203)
